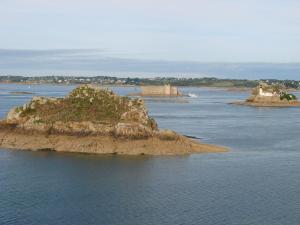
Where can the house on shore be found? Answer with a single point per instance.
(265, 90)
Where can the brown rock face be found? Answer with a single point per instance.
(91, 120)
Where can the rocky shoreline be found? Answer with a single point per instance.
(268, 104)
(96, 144)
(92, 120)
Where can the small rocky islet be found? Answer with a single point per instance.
(265, 95)
(91, 119)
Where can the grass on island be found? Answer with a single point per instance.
(82, 104)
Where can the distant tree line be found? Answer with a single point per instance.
(199, 82)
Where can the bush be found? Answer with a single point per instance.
(289, 97)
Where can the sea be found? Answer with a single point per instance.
(256, 183)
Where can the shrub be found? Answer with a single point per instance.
(289, 97)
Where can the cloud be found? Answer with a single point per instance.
(193, 30)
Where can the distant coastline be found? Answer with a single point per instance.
(229, 84)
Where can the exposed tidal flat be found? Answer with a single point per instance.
(257, 182)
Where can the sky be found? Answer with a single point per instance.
(157, 36)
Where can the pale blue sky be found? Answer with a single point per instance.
(187, 30)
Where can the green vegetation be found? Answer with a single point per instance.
(39, 121)
(19, 109)
(287, 96)
(83, 104)
(178, 81)
(28, 111)
(199, 82)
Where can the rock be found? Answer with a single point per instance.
(25, 106)
(88, 109)
(92, 120)
(136, 116)
(13, 114)
(43, 100)
(132, 130)
(167, 135)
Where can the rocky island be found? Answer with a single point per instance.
(92, 120)
(266, 95)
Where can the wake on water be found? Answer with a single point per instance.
(191, 95)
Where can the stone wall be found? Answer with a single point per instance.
(166, 90)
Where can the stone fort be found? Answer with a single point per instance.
(165, 90)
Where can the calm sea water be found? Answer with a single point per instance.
(256, 183)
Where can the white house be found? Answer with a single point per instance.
(266, 93)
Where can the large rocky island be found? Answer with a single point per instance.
(92, 120)
(266, 95)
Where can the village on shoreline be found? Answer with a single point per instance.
(230, 84)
